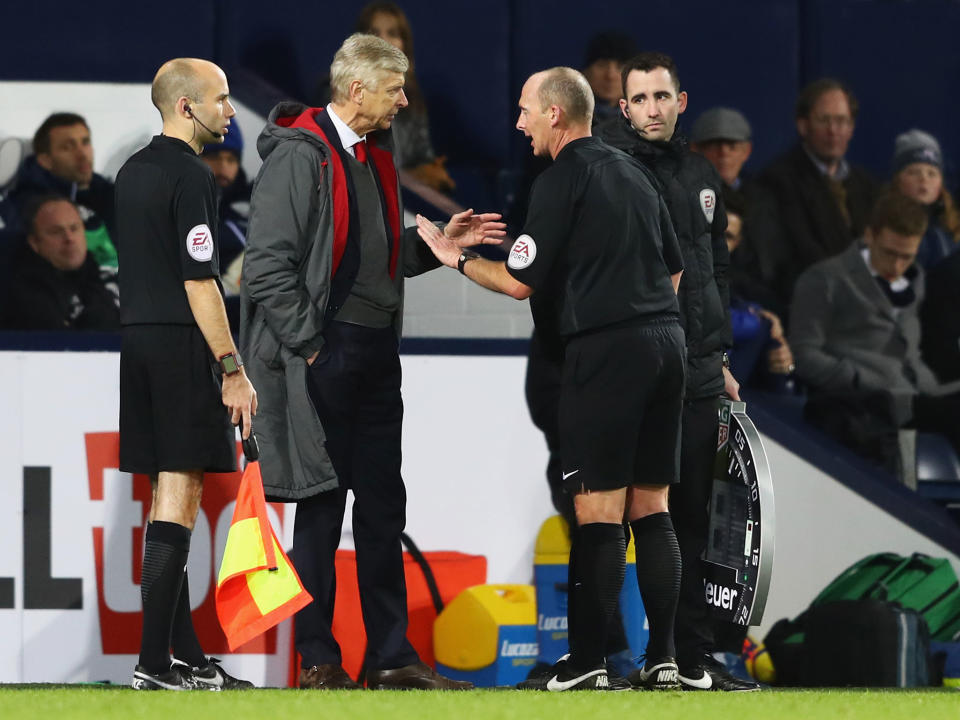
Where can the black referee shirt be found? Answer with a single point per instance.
(166, 202)
(598, 246)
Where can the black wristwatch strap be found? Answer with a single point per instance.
(465, 257)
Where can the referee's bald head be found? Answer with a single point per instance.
(569, 90)
(181, 77)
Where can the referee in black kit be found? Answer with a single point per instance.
(179, 368)
(600, 258)
(647, 131)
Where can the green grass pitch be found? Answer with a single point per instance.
(106, 703)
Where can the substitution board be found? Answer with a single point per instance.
(738, 560)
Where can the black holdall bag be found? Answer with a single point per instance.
(864, 643)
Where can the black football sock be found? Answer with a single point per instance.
(186, 646)
(658, 575)
(616, 632)
(600, 566)
(164, 559)
(572, 581)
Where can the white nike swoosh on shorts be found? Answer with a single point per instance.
(572, 472)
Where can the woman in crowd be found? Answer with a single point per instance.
(411, 129)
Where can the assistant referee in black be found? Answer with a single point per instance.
(182, 383)
(602, 264)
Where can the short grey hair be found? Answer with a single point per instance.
(569, 90)
(366, 58)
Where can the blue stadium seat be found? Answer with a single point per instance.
(938, 469)
(936, 459)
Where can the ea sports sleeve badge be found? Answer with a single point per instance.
(258, 586)
(200, 243)
(738, 561)
(708, 203)
(522, 253)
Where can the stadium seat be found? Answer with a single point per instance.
(938, 470)
(936, 459)
(12, 153)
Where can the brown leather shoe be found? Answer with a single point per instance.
(326, 677)
(418, 676)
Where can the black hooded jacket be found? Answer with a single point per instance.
(692, 191)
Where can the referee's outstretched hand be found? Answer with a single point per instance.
(241, 399)
(466, 229)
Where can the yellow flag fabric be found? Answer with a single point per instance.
(257, 586)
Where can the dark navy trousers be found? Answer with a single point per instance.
(355, 387)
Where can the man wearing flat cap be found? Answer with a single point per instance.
(724, 137)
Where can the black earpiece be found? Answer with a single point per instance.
(187, 108)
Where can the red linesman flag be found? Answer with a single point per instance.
(258, 586)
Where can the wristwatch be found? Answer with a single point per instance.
(231, 363)
(726, 360)
(465, 257)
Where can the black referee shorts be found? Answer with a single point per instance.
(172, 417)
(621, 401)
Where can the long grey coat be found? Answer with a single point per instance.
(285, 290)
(845, 335)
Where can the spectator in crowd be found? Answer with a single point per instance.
(723, 136)
(854, 327)
(224, 160)
(602, 62)
(940, 321)
(918, 174)
(822, 200)
(411, 130)
(62, 164)
(56, 283)
(757, 332)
